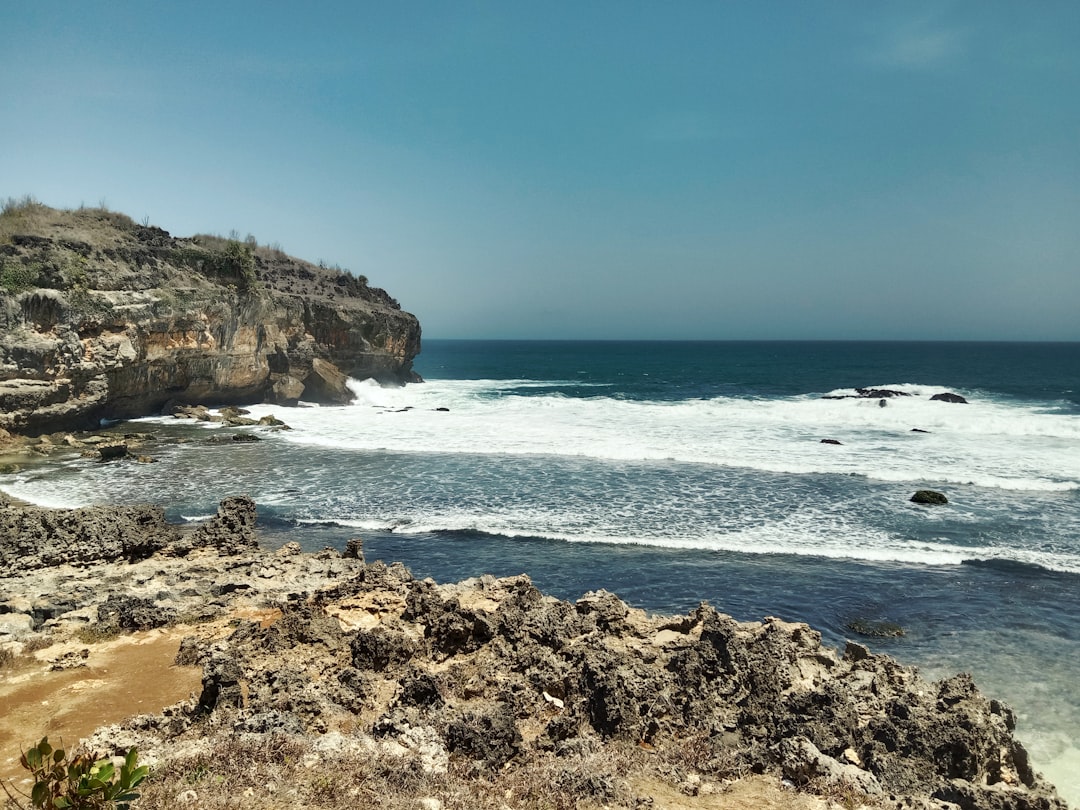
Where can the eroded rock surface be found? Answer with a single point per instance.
(102, 318)
(489, 672)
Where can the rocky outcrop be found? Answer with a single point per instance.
(492, 674)
(870, 393)
(929, 497)
(101, 318)
(949, 396)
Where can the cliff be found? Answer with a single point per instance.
(330, 682)
(103, 318)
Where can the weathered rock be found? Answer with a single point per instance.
(118, 326)
(948, 396)
(490, 737)
(33, 537)
(221, 684)
(870, 393)
(133, 613)
(493, 671)
(231, 530)
(929, 496)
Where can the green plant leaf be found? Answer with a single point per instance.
(39, 794)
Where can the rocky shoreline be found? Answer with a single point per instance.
(349, 661)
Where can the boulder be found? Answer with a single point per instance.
(948, 396)
(929, 496)
(327, 384)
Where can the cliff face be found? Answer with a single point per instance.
(103, 318)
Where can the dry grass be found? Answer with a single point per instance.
(282, 772)
(96, 227)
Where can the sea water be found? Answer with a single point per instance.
(673, 473)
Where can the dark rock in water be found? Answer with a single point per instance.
(870, 393)
(831, 441)
(234, 438)
(444, 410)
(876, 629)
(929, 496)
(108, 452)
(919, 430)
(882, 403)
(881, 393)
(948, 397)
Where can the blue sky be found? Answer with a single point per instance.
(789, 170)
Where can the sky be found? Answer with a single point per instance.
(610, 170)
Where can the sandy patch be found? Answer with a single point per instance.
(127, 676)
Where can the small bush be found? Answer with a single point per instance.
(95, 633)
(82, 782)
(16, 277)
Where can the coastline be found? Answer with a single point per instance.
(410, 647)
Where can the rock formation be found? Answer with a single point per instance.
(930, 497)
(103, 318)
(489, 676)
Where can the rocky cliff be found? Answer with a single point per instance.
(103, 318)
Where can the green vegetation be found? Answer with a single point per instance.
(229, 259)
(96, 633)
(82, 782)
(16, 277)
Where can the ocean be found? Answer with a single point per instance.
(676, 472)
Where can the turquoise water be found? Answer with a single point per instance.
(672, 473)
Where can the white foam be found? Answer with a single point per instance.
(986, 443)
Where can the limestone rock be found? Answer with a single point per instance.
(125, 320)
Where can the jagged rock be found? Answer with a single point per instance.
(929, 496)
(221, 683)
(120, 326)
(493, 671)
(231, 530)
(108, 452)
(33, 537)
(492, 738)
(870, 393)
(133, 613)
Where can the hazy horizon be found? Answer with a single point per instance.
(699, 171)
